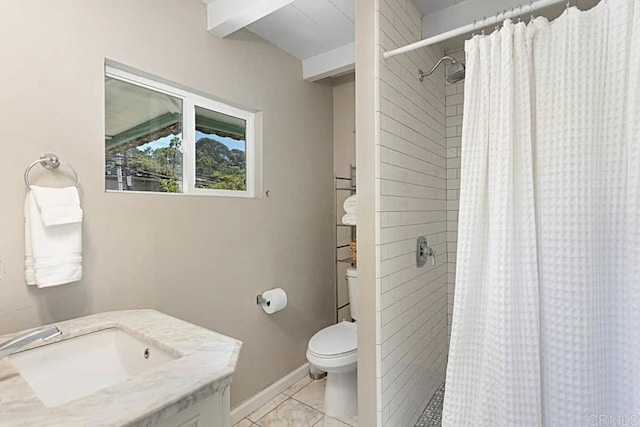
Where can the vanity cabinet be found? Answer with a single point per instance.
(135, 368)
(213, 411)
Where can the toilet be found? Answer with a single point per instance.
(334, 350)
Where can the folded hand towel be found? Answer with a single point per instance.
(58, 206)
(53, 254)
(349, 219)
(350, 204)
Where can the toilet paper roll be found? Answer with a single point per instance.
(274, 300)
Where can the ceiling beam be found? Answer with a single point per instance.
(330, 64)
(228, 16)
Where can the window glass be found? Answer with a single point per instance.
(160, 137)
(221, 151)
(143, 139)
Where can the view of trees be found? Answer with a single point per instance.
(217, 166)
(163, 163)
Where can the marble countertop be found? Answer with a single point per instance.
(206, 363)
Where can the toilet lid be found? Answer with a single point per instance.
(335, 340)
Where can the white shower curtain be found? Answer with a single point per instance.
(546, 322)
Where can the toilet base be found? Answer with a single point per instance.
(316, 373)
(341, 394)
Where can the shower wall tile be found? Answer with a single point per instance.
(454, 102)
(413, 200)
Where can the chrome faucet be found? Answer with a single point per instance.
(45, 333)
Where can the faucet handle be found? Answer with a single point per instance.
(424, 252)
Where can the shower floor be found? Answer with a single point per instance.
(432, 415)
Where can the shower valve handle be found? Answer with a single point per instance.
(424, 252)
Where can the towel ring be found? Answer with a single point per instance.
(49, 161)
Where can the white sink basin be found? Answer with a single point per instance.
(67, 370)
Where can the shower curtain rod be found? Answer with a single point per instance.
(495, 19)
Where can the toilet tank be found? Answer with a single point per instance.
(352, 283)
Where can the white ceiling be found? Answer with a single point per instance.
(313, 30)
(321, 33)
(307, 28)
(430, 6)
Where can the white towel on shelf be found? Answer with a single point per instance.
(349, 219)
(53, 253)
(350, 204)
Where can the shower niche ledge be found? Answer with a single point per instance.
(134, 368)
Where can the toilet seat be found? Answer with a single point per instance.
(335, 341)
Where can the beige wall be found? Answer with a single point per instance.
(344, 123)
(199, 258)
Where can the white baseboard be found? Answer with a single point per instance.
(250, 405)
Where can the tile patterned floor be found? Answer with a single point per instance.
(432, 415)
(298, 406)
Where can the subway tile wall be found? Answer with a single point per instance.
(454, 103)
(412, 189)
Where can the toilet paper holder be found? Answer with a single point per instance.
(260, 300)
(272, 300)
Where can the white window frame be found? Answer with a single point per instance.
(190, 101)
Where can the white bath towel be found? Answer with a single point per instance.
(53, 254)
(349, 219)
(58, 206)
(350, 204)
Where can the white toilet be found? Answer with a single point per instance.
(335, 350)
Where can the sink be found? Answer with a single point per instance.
(64, 371)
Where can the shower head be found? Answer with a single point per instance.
(455, 74)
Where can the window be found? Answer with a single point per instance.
(163, 139)
(221, 146)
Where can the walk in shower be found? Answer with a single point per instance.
(530, 207)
